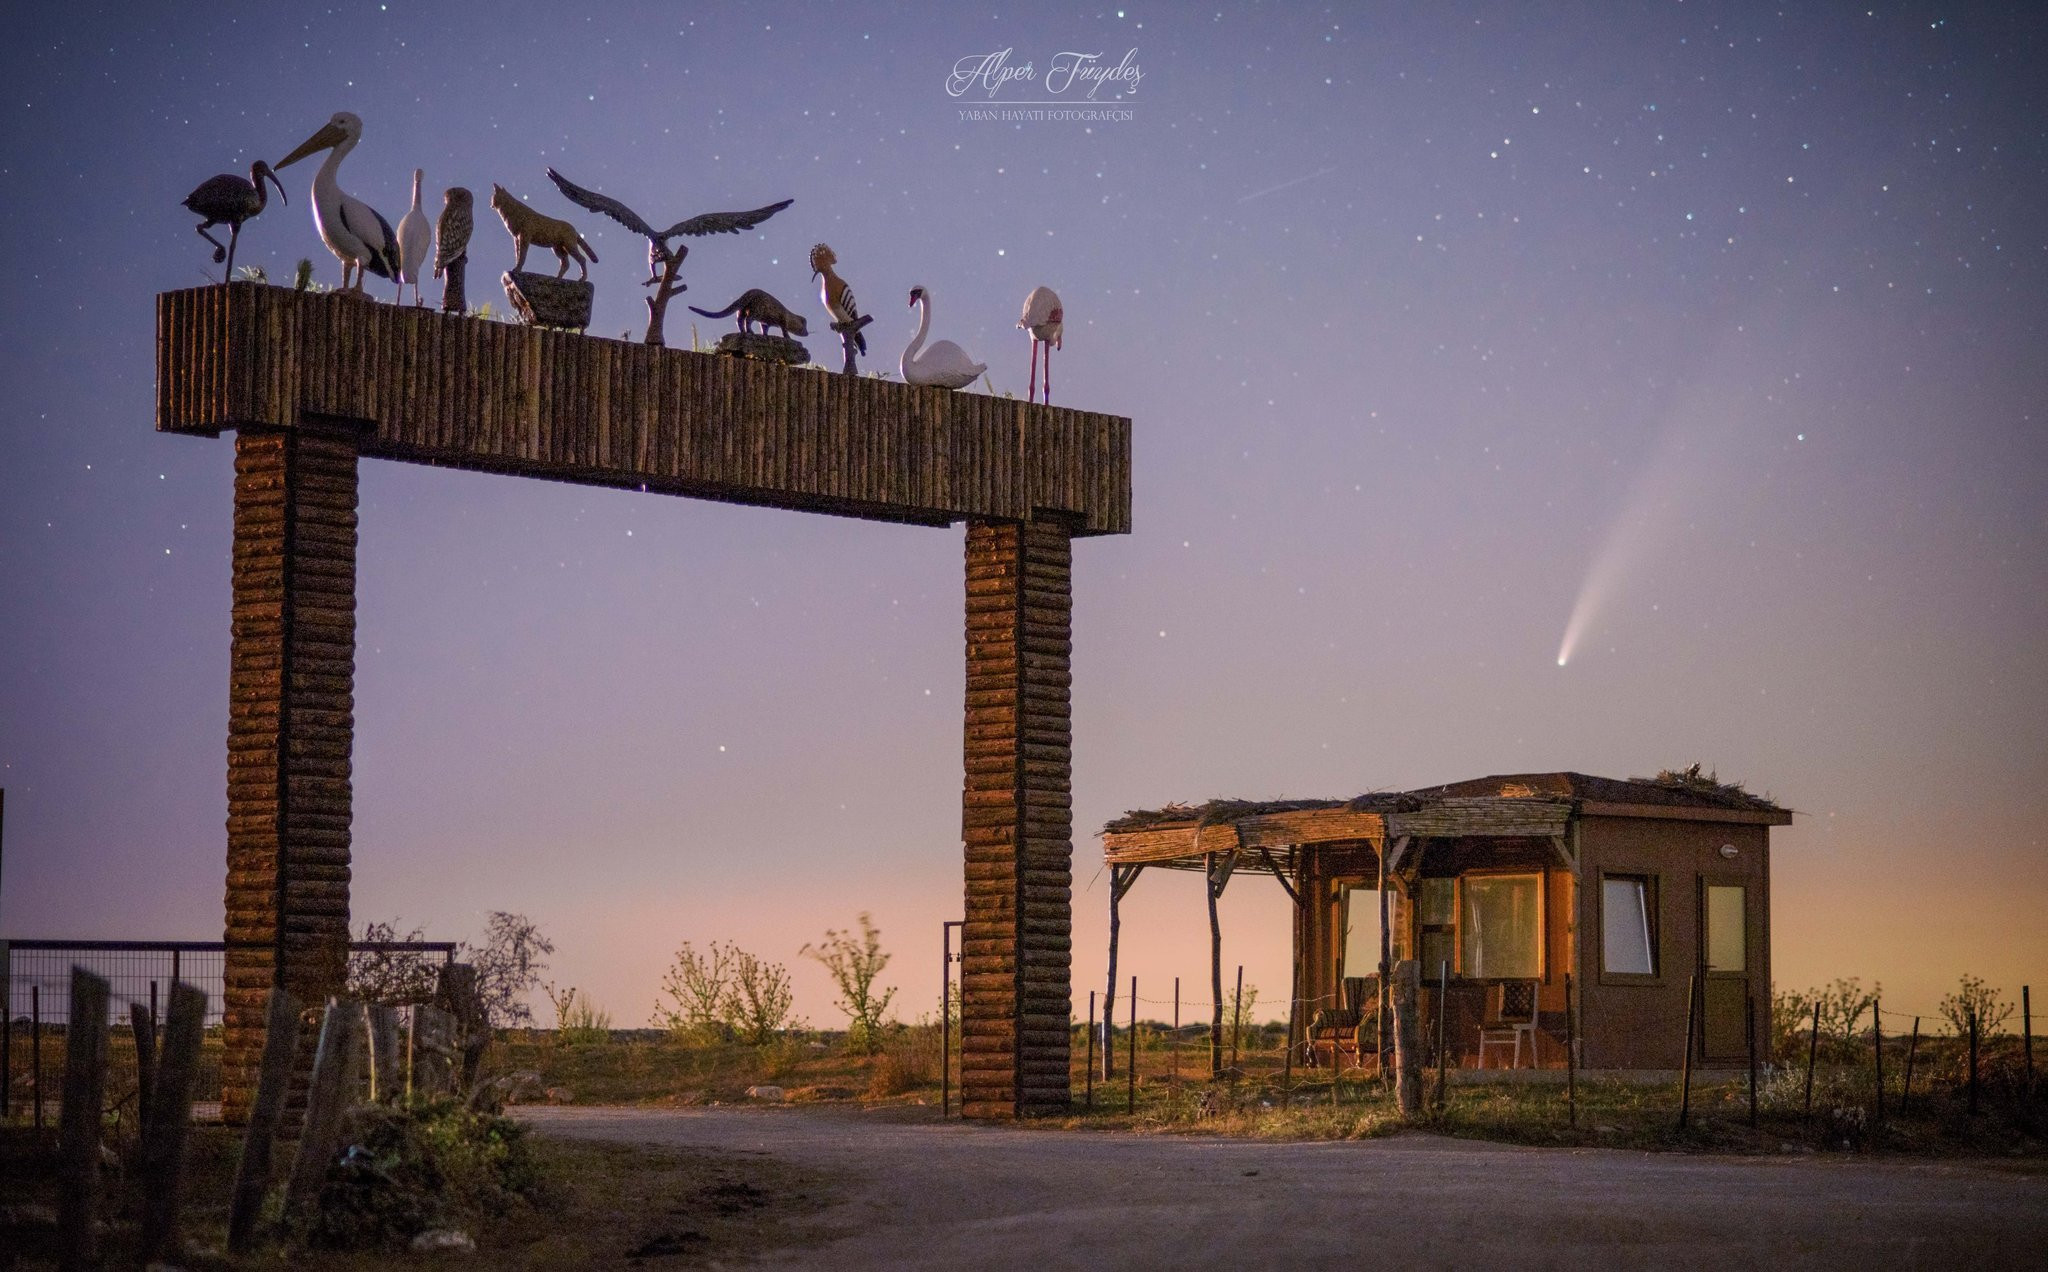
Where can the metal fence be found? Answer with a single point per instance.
(37, 975)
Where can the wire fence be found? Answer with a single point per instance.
(37, 975)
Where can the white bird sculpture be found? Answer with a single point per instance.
(415, 242)
(1045, 320)
(944, 363)
(358, 236)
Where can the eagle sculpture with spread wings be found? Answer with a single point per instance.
(664, 254)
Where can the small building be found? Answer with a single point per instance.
(1502, 888)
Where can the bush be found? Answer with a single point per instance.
(393, 978)
(1843, 1004)
(1974, 998)
(854, 965)
(578, 1020)
(407, 1169)
(723, 995)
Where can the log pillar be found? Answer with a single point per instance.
(1017, 821)
(291, 695)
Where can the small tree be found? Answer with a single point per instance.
(1974, 998)
(508, 967)
(854, 965)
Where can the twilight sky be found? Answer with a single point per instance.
(1703, 339)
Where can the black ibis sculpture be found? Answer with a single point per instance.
(230, 200)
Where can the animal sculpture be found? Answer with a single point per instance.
(358, 235)
(230, 200)
(529, 228)
(836, 296)
(452, 230)
(756, 306)
(944, 364)
(415, 242)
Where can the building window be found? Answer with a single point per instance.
(1500, 926)
(1628, 937)
(1436, 905)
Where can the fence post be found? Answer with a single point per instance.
(1134, 1045)
(1749, 1036)
(946, 1020)
(252, 1173)
(35, 1051)
(1812, 1047)
(1443, 987)
(2027, 1033)
(1237, 1016)
(78, 1144)
(1091, 1049)
(1877, 1048)
(1692, 998)
(1175, 1084)
(1973, 1062)
(1906, 1092)
(163, 1152)
(1407, 989)
(144, 1029)
(334, 1070)
(1571, 1055)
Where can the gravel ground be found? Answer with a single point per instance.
(919, 1193)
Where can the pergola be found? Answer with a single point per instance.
(1381, 833)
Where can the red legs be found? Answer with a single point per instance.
(1048, 375)
(1031, 394)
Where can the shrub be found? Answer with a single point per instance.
(698, 988)
(761, 998)
(854, 965)
(1974, 997)
(725, 994)
(1843, 1004)
(392, 977)
(578, 1020)
(408, 1169)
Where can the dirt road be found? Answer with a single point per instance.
(923, 1194)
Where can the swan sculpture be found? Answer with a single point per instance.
(415, 243)
(944, 363)
(229, 200)
(1045, 320)
(359, 237)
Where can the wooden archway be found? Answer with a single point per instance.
(311, 384)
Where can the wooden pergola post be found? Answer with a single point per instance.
(291, 703)
(1017, 820)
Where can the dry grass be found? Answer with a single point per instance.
(600, 1204)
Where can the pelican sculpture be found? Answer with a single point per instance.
(230, 200)
(360, 238)
(1045, 320)
(664, 259)
(943, 363)
(415, 242)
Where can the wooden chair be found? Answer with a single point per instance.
(1344, 1036)
(1510, 1013)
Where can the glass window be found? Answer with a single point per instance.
(1625, 943)
(1438, 899)
(1500, 929)
(1725, 928)
(1362, 931)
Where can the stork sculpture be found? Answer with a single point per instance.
(230, 200)
(1046, 321)
(358, 235)
(664, 257)
(415, 242)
